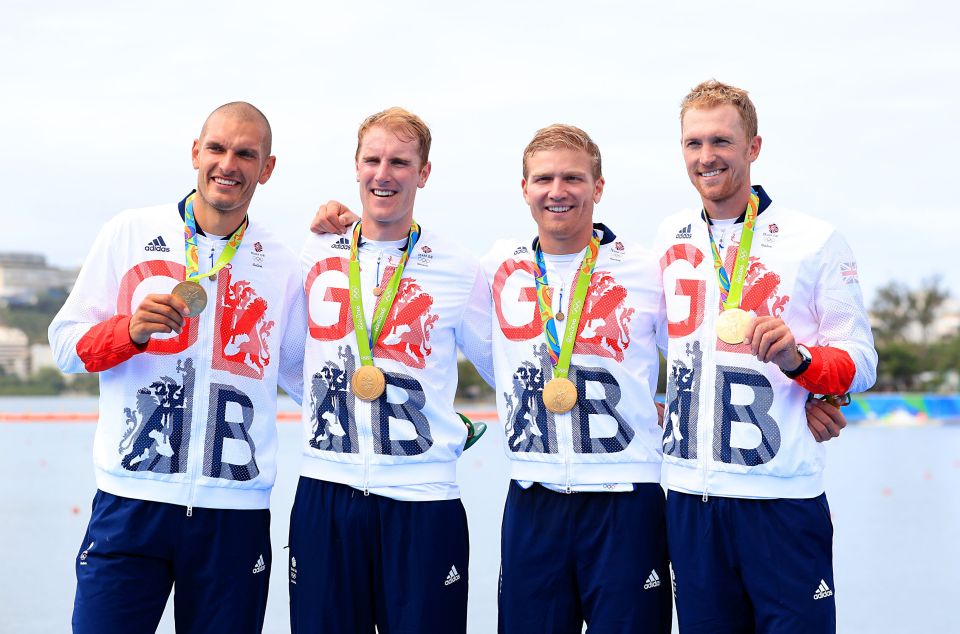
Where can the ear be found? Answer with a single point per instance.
(523, 187)
(754, 150)
(267, 170)
(424, 175)
(598, 190)
(195, 154)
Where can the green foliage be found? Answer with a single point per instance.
(46, 382)
(470, 385)
(898, 367)
(35, 318)
(895, 309)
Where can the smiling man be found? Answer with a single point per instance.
(378, 535)
(764, 310)
(192, 313)
(576, 360)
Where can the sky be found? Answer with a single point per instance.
(858, 108)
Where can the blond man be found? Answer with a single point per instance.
(764, 309)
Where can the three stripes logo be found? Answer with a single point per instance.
(452, 576)
(342, 243)
(653, 581)
(686, 233)
(157, 244)
(260, 565)
(823, 591)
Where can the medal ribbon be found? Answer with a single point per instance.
(190, 244)
(561, 351)
(731, 288)
(367, 339)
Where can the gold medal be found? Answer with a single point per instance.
(192, 295)
(377, 291)
(559, 395)
(732, 325)
(559, 316)
(368, 383)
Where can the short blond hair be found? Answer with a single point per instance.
(404, 124)
(562, 136)
(712, 93)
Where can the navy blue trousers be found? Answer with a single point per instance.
(359, 561)
(134, 551)
(745, 566)
(599, 558)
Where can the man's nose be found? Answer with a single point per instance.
(228, 162)
(707, 154)
(557, 189)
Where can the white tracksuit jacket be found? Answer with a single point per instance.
(188, 419)
(735, 426)
(611, 434)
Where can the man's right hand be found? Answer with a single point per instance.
(157, 314)
(333, 217)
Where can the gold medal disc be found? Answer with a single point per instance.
(732, 325)
(377, 291)
(368, 383)
(192, 295)
(559, 316)
(559, 395)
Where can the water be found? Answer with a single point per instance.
(893, 493)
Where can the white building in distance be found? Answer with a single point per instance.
(23, 276)
(14, 352)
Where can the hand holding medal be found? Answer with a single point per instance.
(156, 314)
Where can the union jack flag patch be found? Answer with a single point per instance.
(848, 272)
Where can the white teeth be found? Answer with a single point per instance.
(708, 174)
(383, 192)
(558, 209)
(224, 181)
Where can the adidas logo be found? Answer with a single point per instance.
(260, 567)
(452, 576)
(521, 250)
(342, 243)
(653, 581)
(84, 554)
(823, 591)
(685, 233)
(157, 244)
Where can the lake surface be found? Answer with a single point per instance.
(894, 493)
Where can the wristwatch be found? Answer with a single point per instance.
(804, 364)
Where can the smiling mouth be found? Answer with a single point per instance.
(559, 209)
(226, 182)
(383, 193)
(715, 172)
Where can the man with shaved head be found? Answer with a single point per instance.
(191, 340)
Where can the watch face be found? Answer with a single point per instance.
(804, 353)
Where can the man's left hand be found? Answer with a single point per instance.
(824, 420)
(770, 340)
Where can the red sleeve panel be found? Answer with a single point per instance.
(831, 371)
(107, 344)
